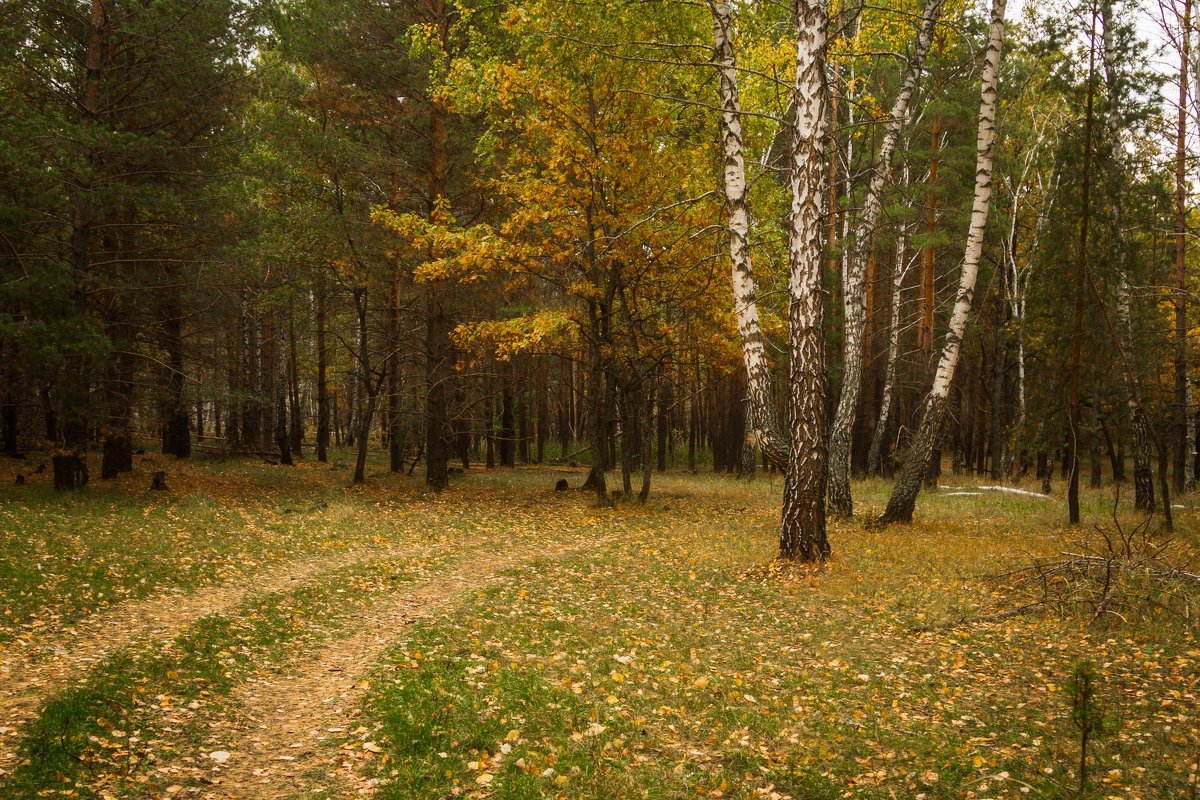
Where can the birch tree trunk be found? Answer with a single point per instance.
(908, 485)
(802, 534)
(764, 426)
(899, 272)
(854, 279)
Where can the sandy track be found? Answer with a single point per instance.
(279, 739)
(33, 670)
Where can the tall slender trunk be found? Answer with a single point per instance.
(368, 389)
(1143, 470)
(596, 398)
(904, 495)
(283, 436)
(296, 415)
(322, 371)
(395, 432)
(854, 281)
(1081, 272)
(266, 371)
(508, 434)
(70, 459)
(875, 456)
(542, 409)
(439, 366)
(666, 399)
(766, 431)
(802, 531)
(1183, 447)
(176, 416)
(647, 427)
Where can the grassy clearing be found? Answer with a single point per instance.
(670, 661)
(676, 664)
(64, 557)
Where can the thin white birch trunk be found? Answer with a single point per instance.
(764, 429)
(899, 272)
(854, 276)
(904, 495)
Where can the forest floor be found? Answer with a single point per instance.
(269, 632)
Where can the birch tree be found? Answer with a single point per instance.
(803, 530)
(854, 280)
(803, 452)
(908, 484)
(763, 424)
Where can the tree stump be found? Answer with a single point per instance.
(158, 482)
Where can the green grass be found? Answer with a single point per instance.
(671, 660)
(712, 675)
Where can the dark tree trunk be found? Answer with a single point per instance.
(597, 395)
(176, 421)
(507, 421)
(629, 438)
(11, 424)
(283, 439)
(693, 427)
(523, 423)
(1143, 475)
(365, 385)
(543, 412)
(296, 420)
(394, 424)
(117, 439)
(666, 400)
(267, 369)
(439, 367)
(322, 370)
(646, 427)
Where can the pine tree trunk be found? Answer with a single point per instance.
(322, 371)
(1076, 369)
(1182, 444)
(439, 372)
(296, 416)
(854, 281)
(904, 495)
(364, 386)
(647, 427)
(176, 418)
(596, 400)
(666, 400)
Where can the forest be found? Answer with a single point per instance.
(729, 390)
(591, 232)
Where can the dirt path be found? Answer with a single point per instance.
(33, 670)
(279, 743)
